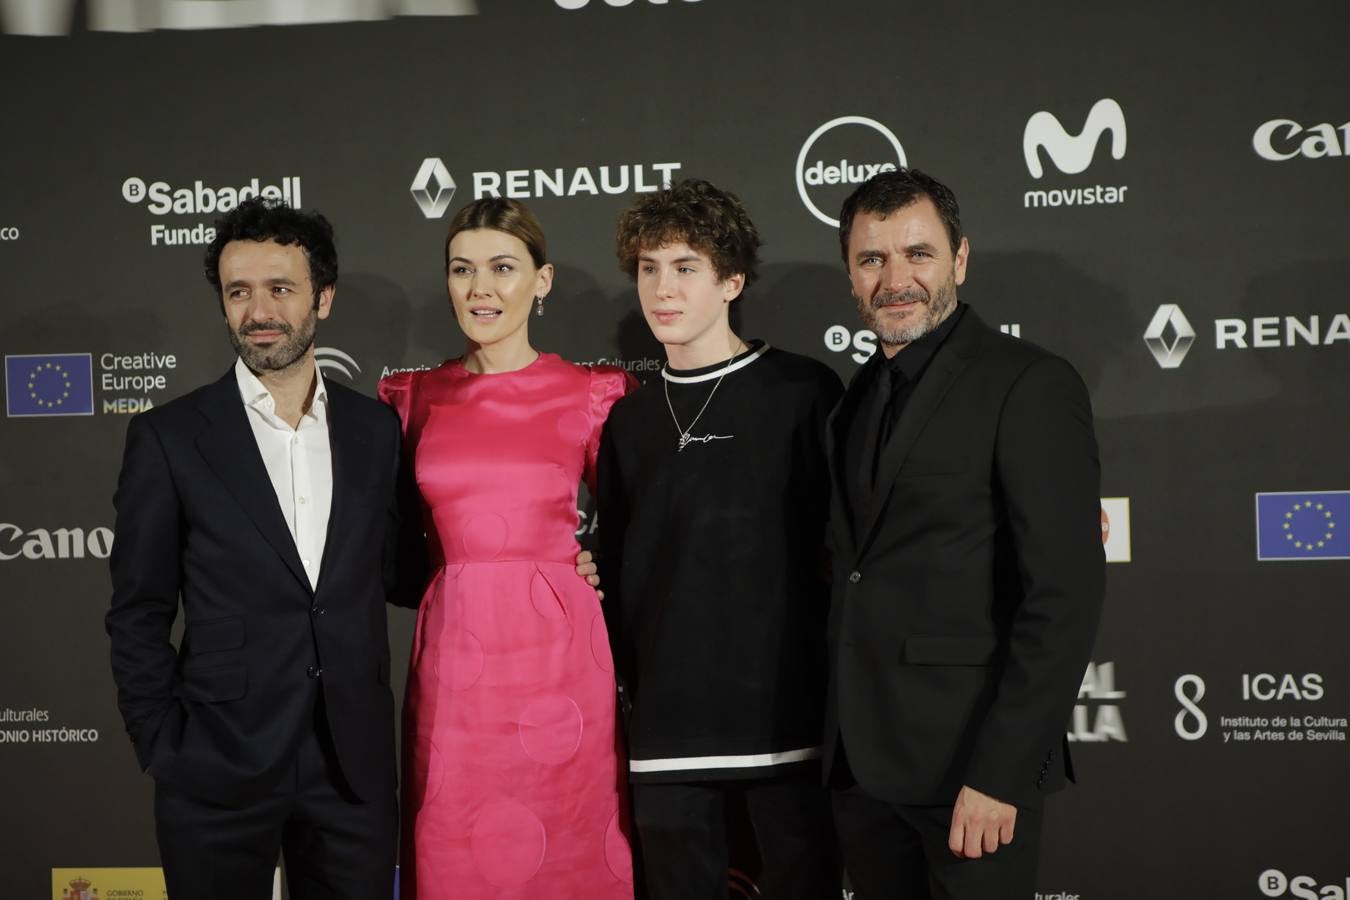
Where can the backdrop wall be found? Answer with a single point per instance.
(1158, 193)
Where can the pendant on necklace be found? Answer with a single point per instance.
(684, 441)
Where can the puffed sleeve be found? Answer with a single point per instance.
(396, 391)
(609, 384)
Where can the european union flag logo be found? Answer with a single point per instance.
(1303, 525)
(53, 384)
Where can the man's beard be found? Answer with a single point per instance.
(921, 321)
(283, 354)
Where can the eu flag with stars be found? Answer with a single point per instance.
(1303, 525)
(53, 384)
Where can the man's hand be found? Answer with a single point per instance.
(586, 569)
(979, 824)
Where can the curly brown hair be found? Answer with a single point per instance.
(711, 221)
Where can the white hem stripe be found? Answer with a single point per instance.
(748, 761)
(716, 373)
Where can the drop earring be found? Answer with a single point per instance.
(538, 306)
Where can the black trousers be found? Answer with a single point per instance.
(335, 847)
(898, 852)
(683, 840)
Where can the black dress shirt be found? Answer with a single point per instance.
(885, 391)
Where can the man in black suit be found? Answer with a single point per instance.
(266, 502)
(968, 567)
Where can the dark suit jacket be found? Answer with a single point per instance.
(198, 523)
(967, 589)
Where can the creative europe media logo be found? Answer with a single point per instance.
(433, 187)
(63, 384)
(1072, 154)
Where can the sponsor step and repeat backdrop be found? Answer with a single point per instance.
(1160, 198)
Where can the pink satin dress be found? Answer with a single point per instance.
(512, 776)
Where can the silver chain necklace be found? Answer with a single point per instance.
(685, 437)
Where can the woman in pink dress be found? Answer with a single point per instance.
(511, 776)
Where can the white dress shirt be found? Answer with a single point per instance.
(299, 461)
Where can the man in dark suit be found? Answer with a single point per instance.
(265, 501)
(968, 567)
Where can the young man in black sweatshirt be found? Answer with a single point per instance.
(713, 499)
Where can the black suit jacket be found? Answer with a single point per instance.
(198, 523)
(968, 588)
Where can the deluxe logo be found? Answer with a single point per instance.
(581, 4)
(1073, 154)
(1096, 716)
(331, 359)
(57, 17)
(9, 233)
(1274, 883)
(162, 198)
(1116, 528)
(857, 148)
(1283, 139)
(839, 339)
(433, 186)
(58, 543)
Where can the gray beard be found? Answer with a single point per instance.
(935, 310)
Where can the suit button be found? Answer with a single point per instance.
(854, 577)
(314, 671)
(318, 610)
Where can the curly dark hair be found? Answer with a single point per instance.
(270, 219)
(711, 221)
(885, 192)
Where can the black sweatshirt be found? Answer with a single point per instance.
(714, 565)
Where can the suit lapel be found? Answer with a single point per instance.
(350, 447)
(947, 364)
(229, 448)
(843, 518)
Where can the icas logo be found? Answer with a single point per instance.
(840, 155)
